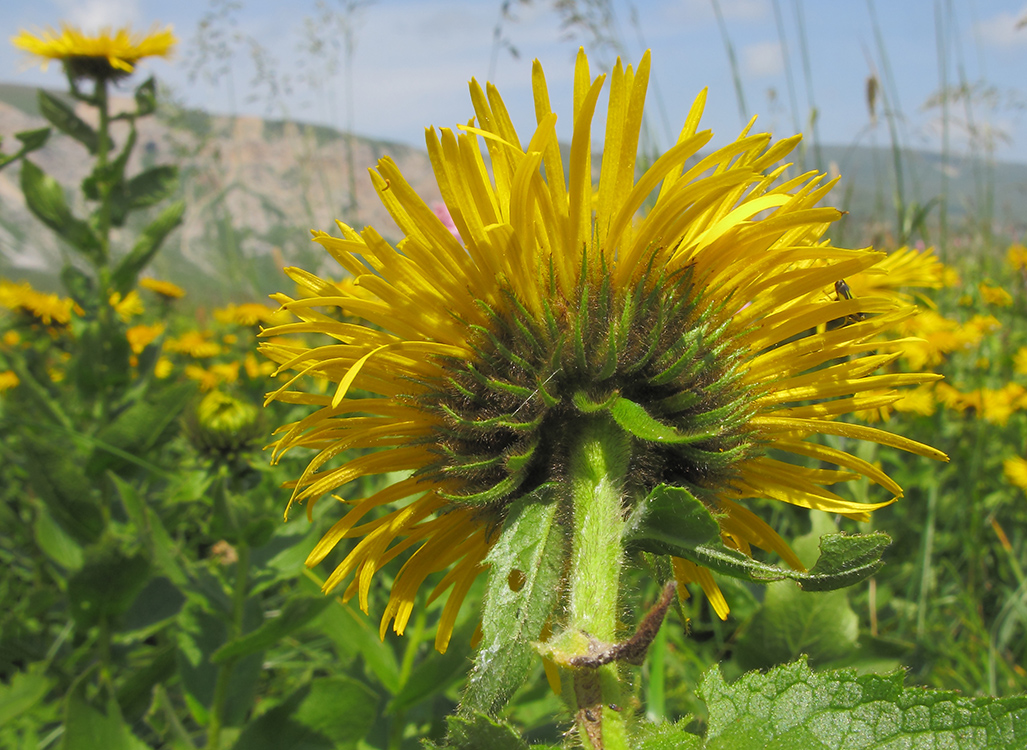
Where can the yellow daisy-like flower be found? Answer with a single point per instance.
(902, 269)
(165, 289)
(48, 307)
(8, 380)
(141, 336)
(214, 376)
(994, 295)
(1015, 469)
(105, 55)
(196, 344)
(705, 318)
(248, 314)
(127, 307)
(1016, 256)
(1020, 361)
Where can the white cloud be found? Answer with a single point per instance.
(93, 15)
(762, 59)
(1001, 30)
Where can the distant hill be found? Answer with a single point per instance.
(255, 187)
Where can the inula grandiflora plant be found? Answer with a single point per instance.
(586, 376)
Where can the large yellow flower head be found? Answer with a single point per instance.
(707, 327)
(105, 55)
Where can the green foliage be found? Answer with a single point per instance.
(152, 599)
(792, 706)
(671, 521)
(45, 198)
(525, 567)
(63, 117)
(30, 141)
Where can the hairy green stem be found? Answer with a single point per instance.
(598, 465)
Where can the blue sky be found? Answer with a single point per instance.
(412, 60)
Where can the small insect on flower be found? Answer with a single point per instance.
(843, 292)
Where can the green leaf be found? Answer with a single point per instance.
(45, 198)
(86, 729)
(146, 97)
(320, 709)
(437, 671)
(63, 117)
(634, 419)
(55, 473)
(25, 690)
(525, 566)
(329, 712)
(157, 603)
(200, 634)
(298, 611)
(671, 521)
(151, 186)
(793, 622)
(354, 635)
(148, 525)
(55, 542)
(80, 286)
(793, 707)
(473, 730)
(101, 365)
(124, 275)
(139, 428)
(32, 139)
(135, 691)
(666, 736)
(106, 586)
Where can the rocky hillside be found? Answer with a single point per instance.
(253, 190)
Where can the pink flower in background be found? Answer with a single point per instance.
(442, 211)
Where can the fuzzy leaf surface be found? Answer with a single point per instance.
(530, 550)
(792, 707)
(63, 117)
(672, 521)
(45, 198)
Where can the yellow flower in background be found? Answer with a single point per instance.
(127, 307)
(1020, 361)
(196, 344)
(994, 295)
(932, 337)
(978, 327)
(919, 400)
(248, 314)
(901, 270)
(995, 406)
(483, 355)
(213, 376)
(257, 369)
(48, 307)
(8, 380)
(165, 289)
(1015, 470)
(1016, 256)
(141, 336)
(163, 368)
(105, 55)
(949, 396)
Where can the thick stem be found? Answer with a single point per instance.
(598, 465)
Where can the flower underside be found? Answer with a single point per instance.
(717, 330)
(505, 416)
